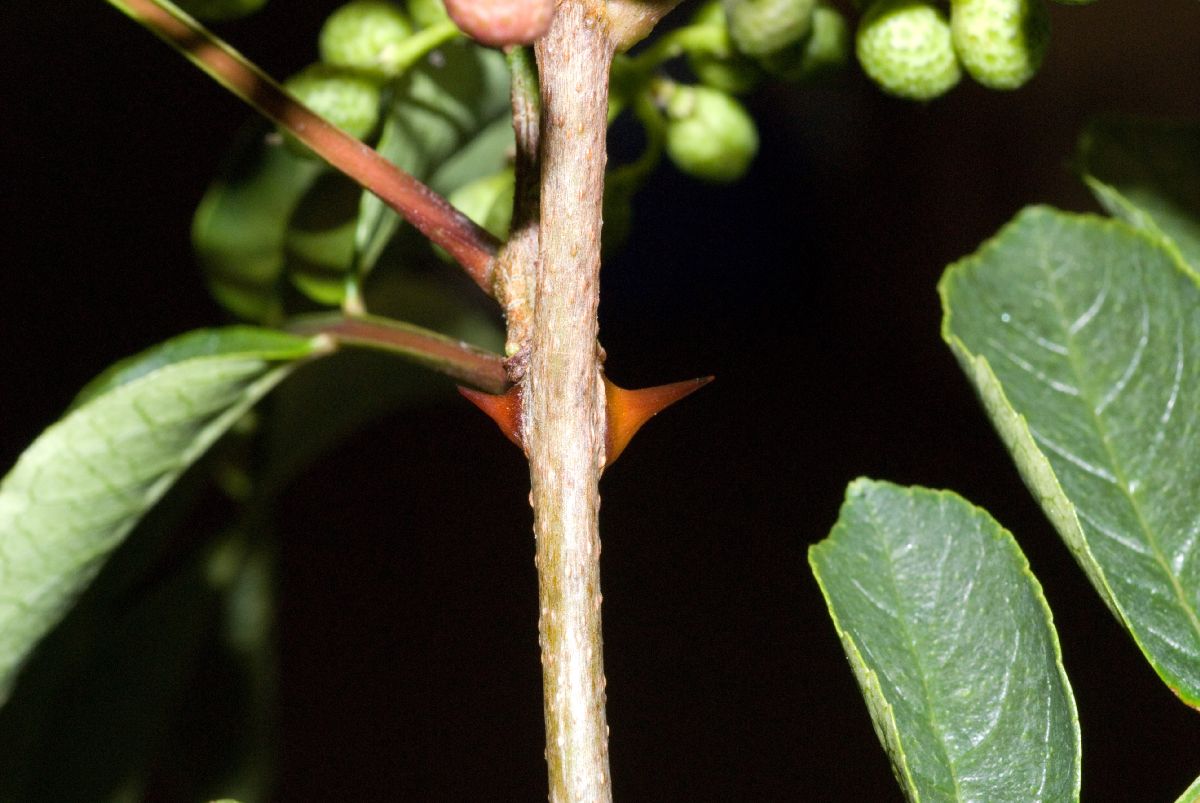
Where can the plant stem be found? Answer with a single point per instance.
(563, 406)
(516, 264)
(461, 362)
(471, 246)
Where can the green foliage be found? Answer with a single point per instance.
(273, 216)
(1081, 336)
(79, 489)
(953, 645)
(905, 47)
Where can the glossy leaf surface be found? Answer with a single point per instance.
(1082, 336)
(953, 647)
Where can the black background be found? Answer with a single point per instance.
(410, 663)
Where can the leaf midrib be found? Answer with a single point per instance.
(1087, 396)
(911, 642)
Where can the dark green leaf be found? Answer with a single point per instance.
(952, 643)
(1082, 337)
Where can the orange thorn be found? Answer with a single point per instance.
(627, 410)
(504, 409)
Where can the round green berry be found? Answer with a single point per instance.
(826, 49)
(220, 10)
(1000, 42)
(347, 99)
(905, 47)
(365, 35)
(709, 134)
(761, 27)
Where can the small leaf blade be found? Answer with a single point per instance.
(1082, 337)
(953, 646)
(78, 490)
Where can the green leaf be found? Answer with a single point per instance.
(1192, 794)
(240, 226)
(953, 646)
(273, 213)
(1148, 174)
(448, 124)
(1082, 337)
(76, 492)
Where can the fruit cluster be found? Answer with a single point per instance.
(364, 45)
(912, 49)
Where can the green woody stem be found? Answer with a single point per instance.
(563, 405)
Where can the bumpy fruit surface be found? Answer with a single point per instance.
(826, 49)
(762, 27)
(905, 46)
(365, 35)
(1000, 42)
(498, 23)
(709, 134)
(348, 100)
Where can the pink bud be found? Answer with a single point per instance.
(502, 22)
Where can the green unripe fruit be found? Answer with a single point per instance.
(761, 27)
(1000, 42)
(733, 75)
(709, 134)
(826, 49)
(721, 66)
(348, 100)
(220, 10)
(905, 47)
(365, 35)
(427, 12)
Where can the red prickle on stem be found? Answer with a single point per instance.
(499, 23)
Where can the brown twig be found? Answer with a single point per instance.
(471, 246)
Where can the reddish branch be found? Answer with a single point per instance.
(474, 248)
